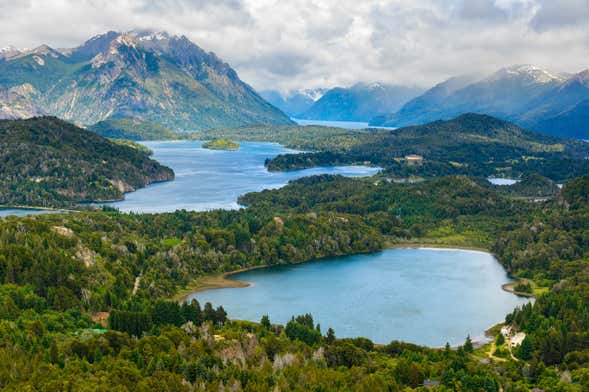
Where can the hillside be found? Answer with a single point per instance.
(529, 96)
(472, 144)
(360, 102)
(150, 76)
(49, 162)
(132, 129)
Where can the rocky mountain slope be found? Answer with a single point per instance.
(150, 76)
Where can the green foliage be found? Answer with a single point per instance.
(472, 144)
(48, 162)
(133, 129)
(221, 144)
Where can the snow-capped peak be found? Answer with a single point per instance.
(149, 35)
(531, 73)
(314, 94)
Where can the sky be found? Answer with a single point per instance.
(292, 44)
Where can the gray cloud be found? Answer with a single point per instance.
(561, 14)
(482, 9)
(323, 43)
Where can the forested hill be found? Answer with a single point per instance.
(471, 144)
(50, 162)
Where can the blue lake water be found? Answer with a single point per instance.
(424, 296)
(338, 124)
(502, 181)
(25, 211)
(210, 179)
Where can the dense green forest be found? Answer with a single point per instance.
(47, 162)
(63, 274)
(472, 144)
(133, 129)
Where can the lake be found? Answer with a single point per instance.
(424, 296)
(211, 179)
(338, 124)
(26, 211)
(502, 181)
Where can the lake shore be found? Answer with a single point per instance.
(222, 281)
(216, 281)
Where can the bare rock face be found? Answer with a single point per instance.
(151, 76)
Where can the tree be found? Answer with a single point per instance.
(265, 321)
(209, 312)
(330, 337)
(500, 341)
(525, 349)
(468, 347)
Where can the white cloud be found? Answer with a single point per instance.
(313, 43)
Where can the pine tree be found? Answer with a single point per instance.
(265, 321)
(330, 337)
(468, 347)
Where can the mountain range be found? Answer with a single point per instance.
(295, 102)
(151, 76)
(531, 97)
(360, 102)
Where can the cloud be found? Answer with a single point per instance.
(561, 14)
(324, 43)
(482, 10)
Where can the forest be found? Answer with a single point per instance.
(47, 162)
(87, 298)
(471, 144)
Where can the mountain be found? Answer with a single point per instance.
(505, 94)
(133, 129)
(563, 110)
(18, 102)
(361, 102)
(572, 123)
(470, 144)
(432, 98)
(529, 96)
(50, 162)
(150, 76)
(294, 103)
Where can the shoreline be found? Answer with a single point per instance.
(216, 282)
(222, 281)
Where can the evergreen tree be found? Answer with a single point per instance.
(265, 321)
(330, 337)
(468, 347)
(525, 349)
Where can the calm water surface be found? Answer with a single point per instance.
(338, 124)
(210, 179)
(25, 211)
(424, 296)
(502, 181)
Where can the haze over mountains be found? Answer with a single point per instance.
(531, 97)
(360, 102)
(146, 75)
(296, 102)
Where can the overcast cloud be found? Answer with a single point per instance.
(323, 43)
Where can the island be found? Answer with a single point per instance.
(221, 144)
